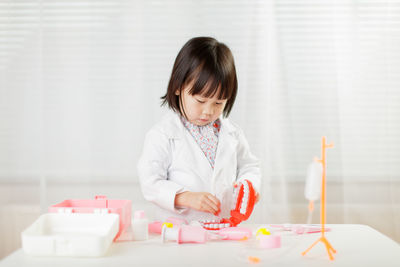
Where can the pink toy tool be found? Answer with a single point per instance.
(244, 204)
(234, 233)
(270, 241)
(156, 227)
(184, 234)
(300, 228)
(197, 234)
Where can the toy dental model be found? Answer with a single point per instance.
(244, 204)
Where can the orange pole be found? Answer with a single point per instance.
(323, 161)
(323, 239)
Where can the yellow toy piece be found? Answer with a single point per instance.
(262, 231)
(169, 225)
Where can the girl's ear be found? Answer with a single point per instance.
(177, 92)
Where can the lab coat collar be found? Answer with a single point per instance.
(176, 130)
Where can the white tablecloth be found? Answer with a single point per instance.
(356, 245)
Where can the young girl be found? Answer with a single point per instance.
(193, 157)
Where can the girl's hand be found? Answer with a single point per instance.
(257, 198)
(201, 201)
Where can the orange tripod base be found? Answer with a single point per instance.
(328, 247)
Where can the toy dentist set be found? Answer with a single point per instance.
(86, 228)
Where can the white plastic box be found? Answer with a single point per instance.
(100, 204)
(70, 234)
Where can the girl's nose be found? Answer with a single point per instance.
(208, 110)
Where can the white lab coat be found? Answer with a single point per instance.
(172, 162)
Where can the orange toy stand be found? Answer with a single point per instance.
(323, 239)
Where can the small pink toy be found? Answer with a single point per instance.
(176, 221)
(244, 204)
(270, 241)
(184, 234)
(234, 233)
(156, 227)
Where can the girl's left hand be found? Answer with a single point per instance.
(257, 198)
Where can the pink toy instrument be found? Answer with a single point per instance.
(244, 204)
(300, 228)
(270, 241)
(234, 233)
(197, 234)
(184, 234)
(156, 227)
(98, 205)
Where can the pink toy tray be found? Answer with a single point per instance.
(98, 205)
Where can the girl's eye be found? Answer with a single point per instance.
(218, 103)
(200, 101)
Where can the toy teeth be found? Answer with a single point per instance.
(244, 204)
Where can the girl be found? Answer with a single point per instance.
(193, 157)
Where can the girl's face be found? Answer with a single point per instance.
(201, 110)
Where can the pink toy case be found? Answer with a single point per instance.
(98, 205)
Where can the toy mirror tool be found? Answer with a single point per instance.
(244, 204)
(323, 239)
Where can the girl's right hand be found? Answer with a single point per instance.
(201, 201)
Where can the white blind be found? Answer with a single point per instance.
(340, 65)
(80, 82)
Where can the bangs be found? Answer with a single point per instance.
(209, 79)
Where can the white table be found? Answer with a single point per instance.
(356, 245)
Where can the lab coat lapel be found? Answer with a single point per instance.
(196, 159)
(191, 153)
(226, 147)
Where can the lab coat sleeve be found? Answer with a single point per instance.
(153, 172)
(248, 166)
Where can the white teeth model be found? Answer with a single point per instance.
(244, 189)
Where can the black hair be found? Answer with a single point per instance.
(208, 66)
